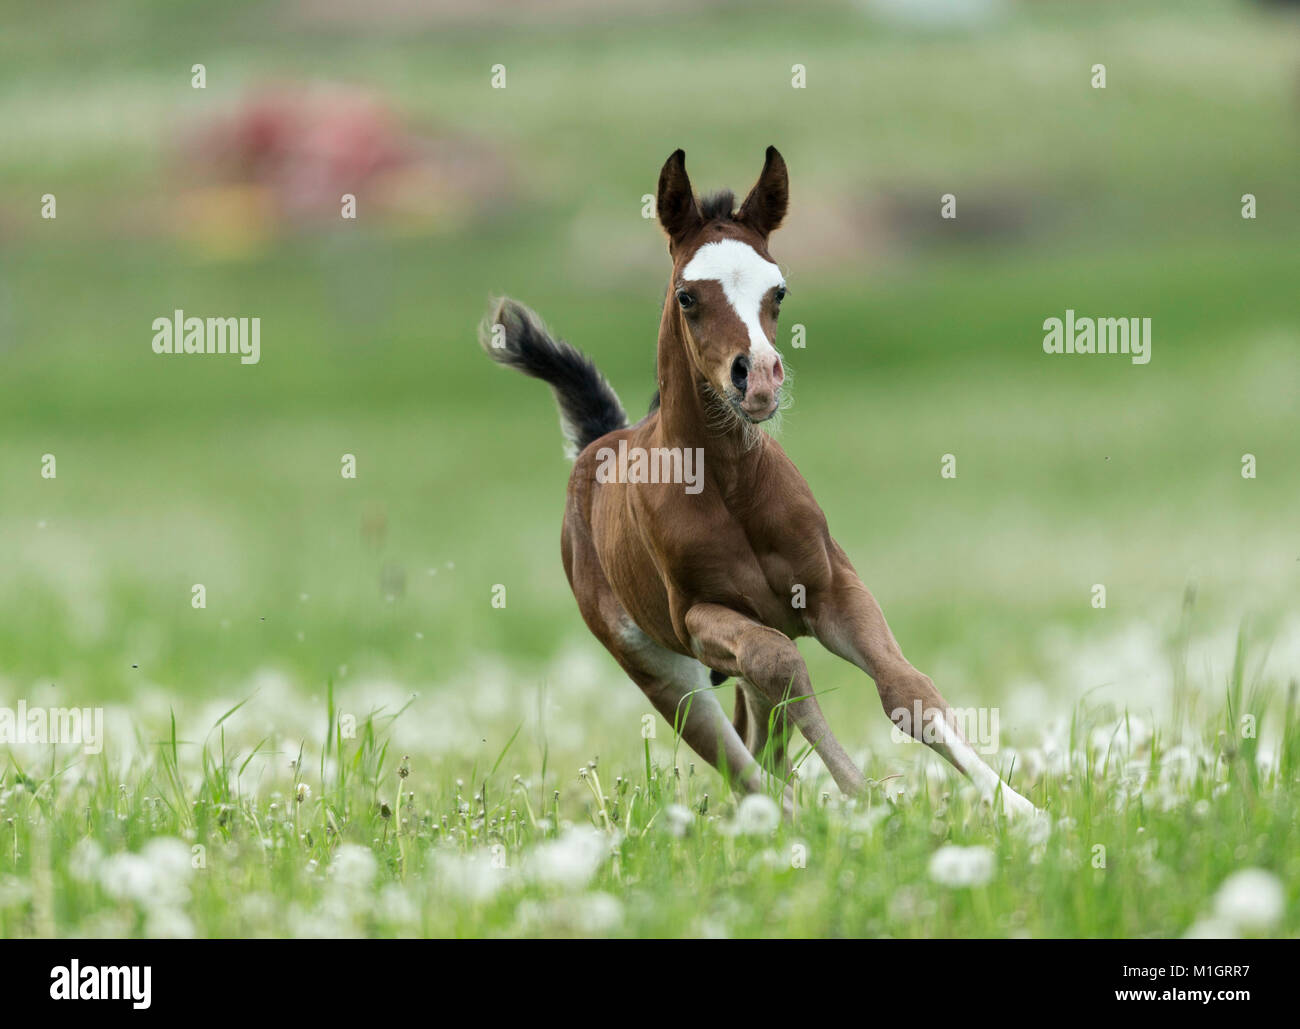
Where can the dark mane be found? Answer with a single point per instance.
(718, 206)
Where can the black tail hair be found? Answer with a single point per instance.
(514, 336)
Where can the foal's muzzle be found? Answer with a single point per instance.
(740, 373)
(758, 382)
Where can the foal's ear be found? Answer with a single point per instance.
(764, 208)
(678, 211)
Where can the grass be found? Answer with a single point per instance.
(344, 835)
(334, 604)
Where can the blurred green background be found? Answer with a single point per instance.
(923, 335)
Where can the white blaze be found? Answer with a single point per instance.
(745, 278)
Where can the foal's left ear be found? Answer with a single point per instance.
(764, 208)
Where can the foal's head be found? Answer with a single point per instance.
(726, 290)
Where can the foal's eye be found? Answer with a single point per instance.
(780, 294)
(685, 300)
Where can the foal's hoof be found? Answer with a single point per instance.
(1016, 806)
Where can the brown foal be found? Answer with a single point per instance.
(722, 573)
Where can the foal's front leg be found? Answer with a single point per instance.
(849, 623)
(768, 659)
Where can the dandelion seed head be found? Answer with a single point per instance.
(1252, 900)
(757, 815)
(678, 819)
(962, 867)
(570, 861)
(353, 867)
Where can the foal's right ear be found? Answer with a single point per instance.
(678, 211)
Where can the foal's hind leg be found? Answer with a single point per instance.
(764, 727)
(678, 686)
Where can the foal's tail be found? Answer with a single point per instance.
(514, 336)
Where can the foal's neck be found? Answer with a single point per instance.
(688, 417)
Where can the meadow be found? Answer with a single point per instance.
(351, 739)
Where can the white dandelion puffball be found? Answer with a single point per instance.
(757, 815)
(961, 867)
(597, 913)
(156, 877)
(1252, 900)
(471, 878)
(353, 867)
(678, 819)
(571, 861)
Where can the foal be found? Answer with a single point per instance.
(720, 578)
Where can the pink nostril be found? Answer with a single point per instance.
(778, 372)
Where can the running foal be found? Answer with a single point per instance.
(720, 578)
